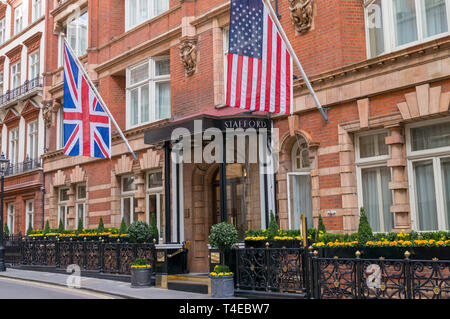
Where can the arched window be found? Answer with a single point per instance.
(300, 156)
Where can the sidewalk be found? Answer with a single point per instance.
(111, 287)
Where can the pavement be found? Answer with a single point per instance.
(100, 288)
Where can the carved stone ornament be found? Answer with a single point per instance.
(301, 14)
(47, 113)
(188, 54)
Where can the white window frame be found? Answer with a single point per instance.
(32, 140)
(18, 19)
(33, 65)
(225, 38)
(389, 27)
(11, 217)
(435, 154)
(77, 49)
(16, 75)
(158, 191)
(151, 81)
(14, 145)
(29, 214)
(127, 194)
(1, 82)
(63, 203)
(152, 12)
(2, 30)
(36, 10)
(370, 162)
(80, 201)
(60, 128)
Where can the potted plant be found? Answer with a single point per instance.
(223, 236)
(141, 275)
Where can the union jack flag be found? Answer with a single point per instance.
(87, 128)
(259, 64)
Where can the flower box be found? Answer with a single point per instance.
(278, 243)
(141, 277)
(420, 253)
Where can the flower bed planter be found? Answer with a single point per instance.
(141, 277)
(273, 243)
(420, 253)
(222, 287)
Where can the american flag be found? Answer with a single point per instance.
(259, 74)
(87, 129)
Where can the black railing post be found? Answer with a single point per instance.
(358, 275)
(266, 266)
(306, 255)
(315, 276)
(71, 251)
(118, 256)
(57, 254)
(101, 256)
(407, 275)
(45, 253)
(238, 275)
(85, 254)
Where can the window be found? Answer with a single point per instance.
(18, 19)
(148, 92)
(34, 66)
(63, 198)
(60, 128)
(128, 189)
(299, 185)
(77, 33)
(36, 11)
(373, 178)
(2, 31)
(14, 145)
(155, 200)
(1, 83)
(81, 204)
(138, 11)
(29, 209)
(394, 24)
(10, 222)
(32, 142)
(15, 75)
(428, 150)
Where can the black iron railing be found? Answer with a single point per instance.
(19, 168)
(25, 88)
(99, 256)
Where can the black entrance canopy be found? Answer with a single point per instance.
(163, 133)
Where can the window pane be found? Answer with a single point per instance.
(63, 195)
(134, 107)
(139, 74)
(132, 9)
(434, 17)
(83, 33)
(145, 112)
(128, 184)
(80, 213)
(126, 202)
(375, 27)
(155, 180)
(162, 67)
(81, 192)
(425, 195)
(429, 137)
(161, 6)
(152, 206)
(405, 21)
(445, 164)
(143, 10)
(373, 145)
(163, 100)
(300, 199)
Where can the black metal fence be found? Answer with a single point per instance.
(23, 89)
(102, 257)
(298, 270)
(27, 165)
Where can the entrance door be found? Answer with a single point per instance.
(300, 200)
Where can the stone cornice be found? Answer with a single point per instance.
(36, 38)
(138, 49)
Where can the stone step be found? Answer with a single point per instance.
(200, 287)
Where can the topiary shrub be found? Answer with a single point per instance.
(364, 230)
(46, 228)
(6, 230)
(123, 227)
(139, 232)
(30, 228)
(153, 226)
(80, 226)
(223, 236)
(272, 230)
(61, 227)
(321, 226)
(101, 226)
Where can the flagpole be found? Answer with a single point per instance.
(101, 100)
(296, 60)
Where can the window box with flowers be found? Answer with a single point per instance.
(141, 275)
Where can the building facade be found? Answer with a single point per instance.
(380, 69)
(22, 51)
